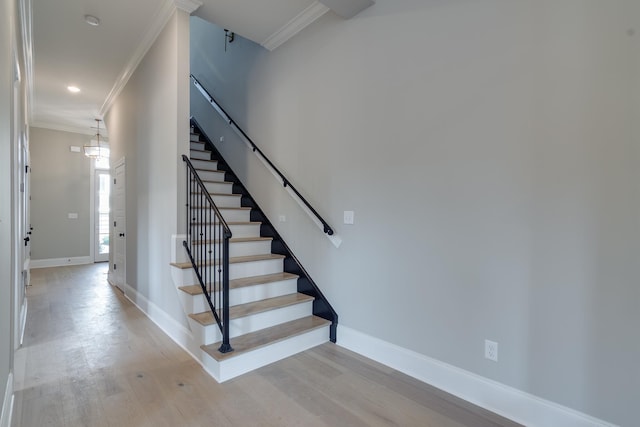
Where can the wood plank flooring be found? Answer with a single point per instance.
(91, 358)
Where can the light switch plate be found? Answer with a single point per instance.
(72, 215)
(349, 217)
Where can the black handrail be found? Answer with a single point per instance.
(207, 245)
(327, 228)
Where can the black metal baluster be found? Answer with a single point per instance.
(212, 238)
(226, 346)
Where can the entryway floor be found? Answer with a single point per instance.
(91, 358)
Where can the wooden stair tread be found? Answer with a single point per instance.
(234, 240)
(249, 258)
(208, 170)
(212, 181)
(230, 223)
(243, 310)
(240, 208)
(218, 194)
(244, 282)
(191, 289)
(256, 280)
(234, 260)
(264, 337)
(205, 160)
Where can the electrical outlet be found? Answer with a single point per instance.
(491, 350)
(282, 218)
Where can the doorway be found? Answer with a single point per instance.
(102, 190)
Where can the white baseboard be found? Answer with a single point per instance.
(177, 332)
(503, 400)
(59, 262)
(7, 403)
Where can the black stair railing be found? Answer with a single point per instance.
(207, 245)
(306, 285)
(285, 182)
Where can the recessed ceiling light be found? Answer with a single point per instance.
(73, 89)
(92, 20)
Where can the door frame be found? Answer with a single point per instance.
(112, 231)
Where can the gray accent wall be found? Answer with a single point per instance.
(490, 151)
(60, 184)
(148, 126)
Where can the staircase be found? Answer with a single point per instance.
(269, 318)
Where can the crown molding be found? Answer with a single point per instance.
(65, 128)
(157, 24)
(348, 8)
(188, 6)
(295, 25)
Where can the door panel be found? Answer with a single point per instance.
(119, 228)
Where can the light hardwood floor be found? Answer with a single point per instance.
(91, 358)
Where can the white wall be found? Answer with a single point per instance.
(490, 152)
(60, 184)
(149, 126)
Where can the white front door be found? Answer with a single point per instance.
(101, 222)
(119, 227)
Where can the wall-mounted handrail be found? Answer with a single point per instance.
(207, 245)
(285, 182)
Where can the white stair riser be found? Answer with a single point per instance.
(246, 362)
(244, 325)
(199, 155)
(244, 295)
(259, 247)
(255, 268)
(219, 187)
(236, 215)
(194, 137)
(211, 175)
(186, 276)
(249, 230)
(226, 201)
(250, 248)
(209, 165)
(196, 145)
(232, 215)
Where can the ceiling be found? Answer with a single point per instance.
(99, 59)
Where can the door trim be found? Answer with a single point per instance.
(112, 211)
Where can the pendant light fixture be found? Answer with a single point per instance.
(94, 151)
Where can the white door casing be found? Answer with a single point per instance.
(119, 226)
